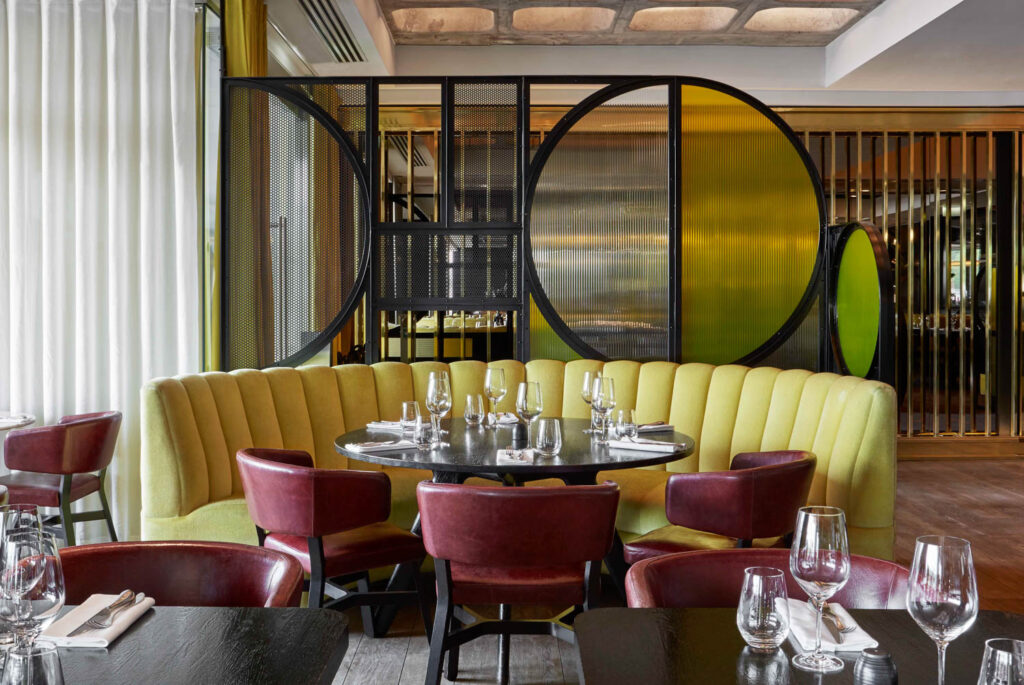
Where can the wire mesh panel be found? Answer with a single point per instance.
(431, 266)
(346, 104)
(294, 230)
(485, 158)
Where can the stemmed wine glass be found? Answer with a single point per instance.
(529, 404)
(1003, 663)
(587, 393)
(439, 402)
(820, 563)
(495, 389)
(603, 401)
(16, 518)
(942, 596)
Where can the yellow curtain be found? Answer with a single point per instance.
(245, 38)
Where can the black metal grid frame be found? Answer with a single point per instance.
(528, 174)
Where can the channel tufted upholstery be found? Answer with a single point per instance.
(194, 425)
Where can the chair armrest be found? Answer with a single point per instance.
(39, 449)
(753, 460)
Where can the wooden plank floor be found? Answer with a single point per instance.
(981, 500)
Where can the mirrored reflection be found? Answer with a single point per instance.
(409, 120)
(762, 668)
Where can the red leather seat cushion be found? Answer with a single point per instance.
(655, 548)
(43, 489)
(562, 585)
(360, 549)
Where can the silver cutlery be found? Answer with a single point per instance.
(105, 616)
(840, 623)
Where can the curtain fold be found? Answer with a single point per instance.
(98, 249)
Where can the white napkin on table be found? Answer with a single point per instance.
(655, 428)
(512, 457)
(504, 419)
(58, 631)
(642, 445)
(802, 619)
(384, 426)
(383, 446)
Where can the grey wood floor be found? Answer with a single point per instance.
(974, 498)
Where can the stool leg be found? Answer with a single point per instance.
(442, 622)
(451, 671)
(504, 643)
(316, 572)
(366, 611)
(106, 507)
(67, 522)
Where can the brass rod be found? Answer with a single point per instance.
(410, 183)
(860, 179)
(437, 180)
(1015, 303)
(412, 335)
(936, 288)
(972, 285)
(910, 287)
(462, 336)
(383, 176)
(947, 278)
(832, 178)
(963, 258)
(989, 273)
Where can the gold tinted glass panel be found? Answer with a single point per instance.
(749, 227)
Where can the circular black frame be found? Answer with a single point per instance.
(624, 86)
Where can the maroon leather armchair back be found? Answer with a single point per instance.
(713, 579)
(758, 498)
(82, 443)
(510, 527)
(184, 573)
(285, 494)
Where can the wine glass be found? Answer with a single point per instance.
(41, 605)
(1003, 663)
(474, 411)
(23, 562)
(410, 415)
(942, 596)
(820, 563)
(495, 389)
(39, 665)
(439, 401)
(603, 401)
(529, 404)
(549, 437)
(763, 612)
(626, 426)
(587, 393)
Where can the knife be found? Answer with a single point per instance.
(126, 597)
(833, 629)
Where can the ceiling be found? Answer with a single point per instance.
(621, 22)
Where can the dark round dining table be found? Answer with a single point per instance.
(473, 452)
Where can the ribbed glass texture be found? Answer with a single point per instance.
(599, 226)
(749, 227)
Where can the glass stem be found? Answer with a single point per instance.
(435, 425)
(942, 663)
(820, 606)
(529, 433)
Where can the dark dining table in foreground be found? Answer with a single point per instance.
(217, 645)
(680, 646)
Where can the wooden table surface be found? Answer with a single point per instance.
(703, 646)
(219, 646)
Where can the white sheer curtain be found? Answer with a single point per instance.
(98, 212)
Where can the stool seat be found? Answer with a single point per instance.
(372, 546)
(43, 489)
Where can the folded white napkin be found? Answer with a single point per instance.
(655, 428)
(802, 619)
(512, 457)
(384, 426)
(14, 420)
(382, 446)
(641, 445)
(58, 631)
(504, 418)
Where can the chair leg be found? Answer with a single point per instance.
(442, 622)
(504, 643)
(424, 593)
(106, 507)
(67, 522)
(451, 671)
(366, 611)
(316, 572)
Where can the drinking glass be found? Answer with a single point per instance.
(410, 415)
(495, 389)
(529, 404)
(15, 517)
(626, 427)
(820, 563)
(37, 665)
(942, 596)
(586, 392)
(603, 401)
(754, 667)
(40, 606)
(549, 437)
(23, 564)
(1003, 663)
(439, 401)
(474, 412)
(763, 613)
(422, 435)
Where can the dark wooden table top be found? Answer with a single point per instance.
(703, 646)
(220, 646)
(474, 451)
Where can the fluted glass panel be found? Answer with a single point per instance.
(599, 226)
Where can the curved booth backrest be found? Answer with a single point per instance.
(195, 424)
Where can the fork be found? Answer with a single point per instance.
(841, 625)
(105, 618)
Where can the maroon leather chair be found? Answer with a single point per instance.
(757, 498)
(184, 573)
(334, 522)
(60, 464)
(713, 578)
(512, 546)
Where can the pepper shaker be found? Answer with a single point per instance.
(519, 436)
(875, 667)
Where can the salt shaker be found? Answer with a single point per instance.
(875, 667)
(519, 436)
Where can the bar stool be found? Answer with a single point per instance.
(60, 464)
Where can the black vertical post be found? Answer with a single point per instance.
(675, 310)
(1005, 291)
(522, 339)
(373, 342)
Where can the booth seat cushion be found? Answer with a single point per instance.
(671, 539)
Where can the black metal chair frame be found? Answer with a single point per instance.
(448, 616)
(63, 524)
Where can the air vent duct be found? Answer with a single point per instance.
(333, 30)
